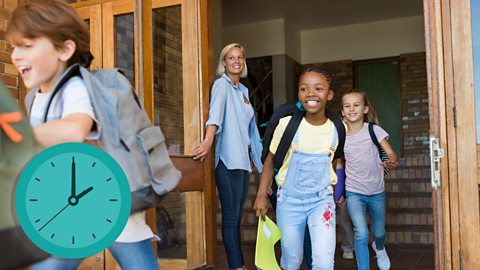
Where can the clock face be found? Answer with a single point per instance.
(73, 200)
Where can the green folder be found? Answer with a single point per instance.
(267, 235)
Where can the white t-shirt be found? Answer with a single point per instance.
(74, 99)
(364, 174)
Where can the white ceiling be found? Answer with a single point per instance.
(311, 14)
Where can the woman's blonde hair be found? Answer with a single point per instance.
(371, 115)
(225, 50)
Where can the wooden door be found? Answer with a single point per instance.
(162, 45)
(452, 121)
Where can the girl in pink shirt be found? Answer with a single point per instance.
(365, 188)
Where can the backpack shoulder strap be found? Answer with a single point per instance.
(342, 133)
(72, 71)
(29, 100)
(281, 111)
(372, 134)
(287, 138)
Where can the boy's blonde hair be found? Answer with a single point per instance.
(53, 19)
(371, 115)
(225, 50)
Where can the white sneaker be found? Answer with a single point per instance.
(348, 255)
(383, 262)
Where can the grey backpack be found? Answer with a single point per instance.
(126, 133)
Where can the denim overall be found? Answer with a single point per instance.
(306, 197)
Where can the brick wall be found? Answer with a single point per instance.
(414, 104)
(9, 74)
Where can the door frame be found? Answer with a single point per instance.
(197, 180)
(450, 82)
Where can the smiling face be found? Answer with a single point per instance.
(234, 62)
(314, 92)
(39, 63)
(353, 107)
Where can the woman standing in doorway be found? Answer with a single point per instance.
(232, 123)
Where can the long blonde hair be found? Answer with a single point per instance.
(371, 115)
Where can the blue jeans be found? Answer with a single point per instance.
(343, 221)
(357, 205)
(137, 255)
(232, 188)
(293, 216)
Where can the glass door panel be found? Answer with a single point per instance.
(176, 100)
(168, 113)
(168, 75)
(125, 45)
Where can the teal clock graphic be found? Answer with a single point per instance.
(72, 200)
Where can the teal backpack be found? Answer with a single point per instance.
(17, 147)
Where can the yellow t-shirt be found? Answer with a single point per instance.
(312, 139)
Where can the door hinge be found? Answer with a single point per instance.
(436, 153)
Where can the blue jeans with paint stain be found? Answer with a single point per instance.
(357, 205)
(232, 186)
(130, 256)
(306, 198)
(293, 214)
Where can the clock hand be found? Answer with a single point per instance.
(73, 200)
(54, 217)
(73, 191)
(83, 193)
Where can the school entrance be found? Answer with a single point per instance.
(165, 48)
(438, 96)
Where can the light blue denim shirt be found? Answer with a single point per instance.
(227, 112)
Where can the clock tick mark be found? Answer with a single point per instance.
(52, 235)
(109, 220)
(113, 200)
(93, 165)
(73, 240)
(38, 220)
(94, 237)
(33, 200)
(53, 165)
(109, 179)
(37, 179)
